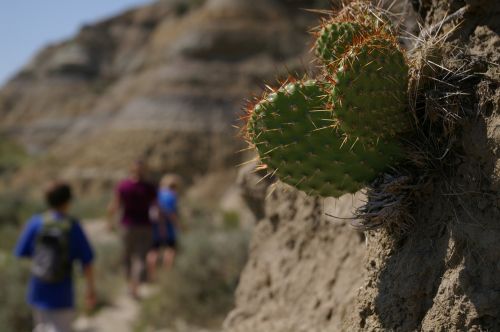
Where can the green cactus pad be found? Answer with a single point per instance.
(369, 91)
(298, 142)
(335, 39)
(334, 135)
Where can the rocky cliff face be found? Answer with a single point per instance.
(165, 82)
(304, 269)
(442, 274)
(306, 273)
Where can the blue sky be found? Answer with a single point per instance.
(26, 26)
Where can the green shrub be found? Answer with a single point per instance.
(8, 237)
(15, 314)
(231, 220)
(16, 207)
(200, 288)
(12, 155)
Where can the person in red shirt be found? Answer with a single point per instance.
(134, 197)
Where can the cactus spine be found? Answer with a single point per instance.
(333, 135)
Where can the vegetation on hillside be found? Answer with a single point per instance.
(15, 315)
(12, 155)
(200, 288)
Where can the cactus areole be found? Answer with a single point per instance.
(333, 135)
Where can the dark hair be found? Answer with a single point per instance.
(58, 194)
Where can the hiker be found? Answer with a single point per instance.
(54, 241)
(134, 198)
(165, 225)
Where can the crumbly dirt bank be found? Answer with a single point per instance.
(442, 275)
(304, 268)
(306, 273)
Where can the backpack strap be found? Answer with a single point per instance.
(64, 223)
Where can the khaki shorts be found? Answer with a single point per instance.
(53, 320)
(137, 241)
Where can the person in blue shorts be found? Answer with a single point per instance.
(54, 241)
(165, 227)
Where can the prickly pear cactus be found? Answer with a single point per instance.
(333, 135)
(335, 39)
(368, 90)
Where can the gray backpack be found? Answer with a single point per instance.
(51, 258)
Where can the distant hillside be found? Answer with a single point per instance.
(164, 82)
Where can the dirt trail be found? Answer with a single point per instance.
(97, 231)
(119, 317)
(122, 314)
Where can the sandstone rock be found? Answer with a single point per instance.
(72, 59)
(304, 267)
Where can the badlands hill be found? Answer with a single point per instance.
(165, 82)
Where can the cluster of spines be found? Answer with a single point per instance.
(334, 39)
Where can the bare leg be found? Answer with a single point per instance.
(152, 260)
(128, 258)
(135, 277)
(168, 258)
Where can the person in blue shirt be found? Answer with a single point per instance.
(165, 226)
(53, 300)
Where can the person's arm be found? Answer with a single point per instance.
(90, 293)
(169, 211)
(85, 254)
(173, 213)
(25, 245)
(113, 208)
(157, 217)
